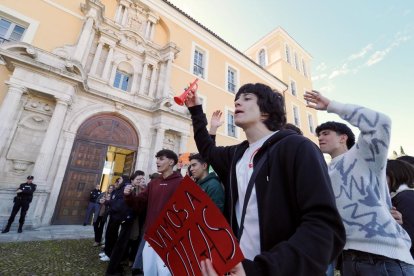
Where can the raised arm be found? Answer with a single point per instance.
(219, 157)
(137, 203)
(375, 127)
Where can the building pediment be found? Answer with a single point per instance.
(15, 53)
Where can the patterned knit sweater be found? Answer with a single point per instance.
(360, 186)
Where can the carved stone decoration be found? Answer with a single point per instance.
(170, 140)
(20, 166)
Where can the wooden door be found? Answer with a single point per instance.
(83, 173)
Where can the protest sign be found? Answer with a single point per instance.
(190, 228)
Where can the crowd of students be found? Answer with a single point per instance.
(292, 213)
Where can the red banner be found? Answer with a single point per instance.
(191, 228)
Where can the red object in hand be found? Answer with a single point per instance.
(193, 88)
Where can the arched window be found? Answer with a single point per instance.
(123, 76)
(262, 58)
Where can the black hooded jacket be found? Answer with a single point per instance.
(301, 231)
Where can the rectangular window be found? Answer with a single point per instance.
(305, 72)
(198, 68)
(296, 120)
(231, 127)
(310, 122)
(231, 80)
(287, 50)
(10, 31)
(122, 80)
(296, 61)
(293, 89)
(262, 58)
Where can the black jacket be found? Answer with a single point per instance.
(27, 191)
(118, 210)
(404, 202)
(93, 195)
(301, 231)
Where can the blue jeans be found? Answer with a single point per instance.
(357, 263)
(330, 271)
(93, 208)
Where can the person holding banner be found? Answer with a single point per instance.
(278, 196)
(153, 199)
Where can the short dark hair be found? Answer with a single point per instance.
(339, 128)
(199, 158)
(30, 177)
(169, 154)
(407, 158)
(135, 174)
(269, 101)
(399, 172)
(293, 127)
(154, 175)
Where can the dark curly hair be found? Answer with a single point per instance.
(269, 101)
(339, 128)
(399, 172)
(407, 158)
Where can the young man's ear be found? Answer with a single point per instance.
(205, 166)
(343, 138)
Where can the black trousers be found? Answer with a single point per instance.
(19, 204)
(119, 249)
(98, 227)
(111, 235)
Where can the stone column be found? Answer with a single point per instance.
(167, 78)
(143, 78)
(160, 85)
(124, 17)
(118, 14)
(49, 209)
(151, 89)
(134, 85)
(147, 29)
(108, 62)
(8, 111)
(47, 150)
(96, 58)
(83, 39)
(159, 133)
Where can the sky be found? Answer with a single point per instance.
(363, 51)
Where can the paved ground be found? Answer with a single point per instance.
(54, 232)
(51, 250)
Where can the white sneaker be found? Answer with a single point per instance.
(101, 254)
(105, 258)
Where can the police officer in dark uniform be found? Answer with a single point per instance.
(22, 200)
(93, 205)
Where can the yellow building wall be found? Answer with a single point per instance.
(63, 24)
(274, 44)
(56, 29)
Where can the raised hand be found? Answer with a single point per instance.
(128, 189)
(315, 100)
(215, 122)
(192, 99)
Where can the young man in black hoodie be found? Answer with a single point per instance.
(285, 218)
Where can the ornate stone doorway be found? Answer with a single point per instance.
(97, 138)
